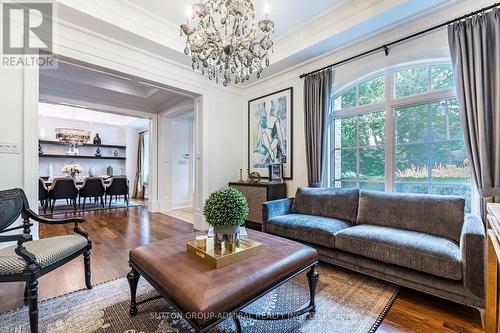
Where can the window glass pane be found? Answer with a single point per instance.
(412, 124)
(462, 190)
(372, 91)
(446, 123)
(345, 132)
(450, 163)
(345, 164)
(372, 186)
(372, 129)
(372, 163)
(412, 163)
(346, 100)
(348, 184)
(404, 187)
(411, 81)
(442, 77)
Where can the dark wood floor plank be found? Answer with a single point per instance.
(114, 232)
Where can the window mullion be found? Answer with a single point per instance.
(429, 147)
(389, 132)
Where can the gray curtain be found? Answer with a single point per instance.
(317, 93)
(475, 52)
(139, 182)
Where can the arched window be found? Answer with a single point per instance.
(400, 130)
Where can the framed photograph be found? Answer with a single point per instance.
(270, 127)
(276, 172)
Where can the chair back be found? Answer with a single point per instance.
(63, 188)
(92, 187)
(43, 192)
(118, 186)
(12, 204)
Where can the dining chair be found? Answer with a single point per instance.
(63, 188)
(93, 187)
(43, 194)
(31, 259)
(118, 185)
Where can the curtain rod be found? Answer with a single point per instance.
(386, 47)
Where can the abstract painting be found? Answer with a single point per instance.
(270, 129)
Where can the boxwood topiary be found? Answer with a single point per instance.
(226, 207)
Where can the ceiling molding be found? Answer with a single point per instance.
(196, 78)
(345, 17)
(412, 24)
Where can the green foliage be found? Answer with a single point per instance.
(226, 207)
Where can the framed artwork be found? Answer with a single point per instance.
(270, 127)
(276, 172)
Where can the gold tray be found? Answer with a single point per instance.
(223, 256)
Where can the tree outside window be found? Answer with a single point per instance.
(425, 149)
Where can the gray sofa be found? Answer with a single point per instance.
(424, 242)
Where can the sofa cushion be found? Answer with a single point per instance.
(308, 228)
(425, 253)
(337, 203)
(437, 215)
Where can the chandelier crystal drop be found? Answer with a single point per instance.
(224, 41)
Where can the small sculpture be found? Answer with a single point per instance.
(97, 139)
(40, 151)
(241, 176)
(254, 177)
(109, 171)
(115, 153)
(98, 152)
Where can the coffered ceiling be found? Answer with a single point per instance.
(305, 29)
(287, 14)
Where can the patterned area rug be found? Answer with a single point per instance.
(346, 302)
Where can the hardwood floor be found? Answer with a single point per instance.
(115, 232)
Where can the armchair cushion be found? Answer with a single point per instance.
(47, 252)
(472, 248)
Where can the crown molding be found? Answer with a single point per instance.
(407, 26)
(195, 78)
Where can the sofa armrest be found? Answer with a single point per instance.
(274, 208)
(473, 248)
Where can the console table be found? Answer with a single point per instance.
(492, 265)
(256, 194)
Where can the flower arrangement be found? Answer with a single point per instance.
(72, 169)
(226, 207)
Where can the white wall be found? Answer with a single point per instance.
(432, 46)
(11, 127)
(112, 135)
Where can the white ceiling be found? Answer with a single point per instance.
(89, 84)
(89, 116)
(305, 29)
(286, 14)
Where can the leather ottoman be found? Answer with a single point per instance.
(206, 296)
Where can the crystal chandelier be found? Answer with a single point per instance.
(73, 137)
(225, 42)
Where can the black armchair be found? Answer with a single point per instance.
(117, 186)
(63, 188)
(43, 195)
(93, 187)
(29, 260)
